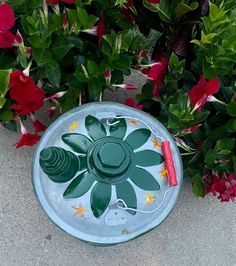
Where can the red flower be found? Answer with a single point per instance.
(27, 139)
(190, 129)
(39, 127)
(153, 1)
(7, 19)
(28, 96)
(129, 4)
(156, 74)
(223, 187)
(130, 102)
(69, 1)
(125, 86)
(201, 93)
(51, 111)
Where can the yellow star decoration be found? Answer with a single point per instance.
(73, 126)
(163, 172)
(79, 210)
(156, 143)
(133, 122)
(149, 198)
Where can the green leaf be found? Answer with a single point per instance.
(79, 185)
(198, 187)
(82, 16)
(210, 157)
(92, 67)
(138, 137)
(41, 56)
(225, 144)
(94, 127)
(53, 73)
(122, 63)
(144, 180)
(4, 85)
(182, 9)
(61, 46)
(95, 88)
(100, 198)
(231, 125)
(231, 109)
(148, 158)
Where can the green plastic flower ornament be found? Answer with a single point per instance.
(103, 159)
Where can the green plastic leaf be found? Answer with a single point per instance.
(79, 185)
(95, 128)
(126, 192)
(118, 130)
(198, 187)
(61, 46)
(100, 198)
(148, 158)
(231, 109)
(144, 180)
(78, 142)
(138, 137)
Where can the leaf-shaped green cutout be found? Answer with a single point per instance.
(126, 192)
(148, 158)
(77, 142)
(100, 198)
(118, 130)
(95, 128)
(82, 162)
(138, 137)
(79, 185)
(144, 180)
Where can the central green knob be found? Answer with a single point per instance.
(111, 155)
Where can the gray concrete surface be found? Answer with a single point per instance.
(197, 232)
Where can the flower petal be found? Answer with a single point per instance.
(118, 130)
(77, 142)
(79, 185)
(100, 198)
(144, 180)
(212, 86)
(138, 137)
(95, 128)
(7, 19)
(126, 192)
(148, 158)
(197, 92)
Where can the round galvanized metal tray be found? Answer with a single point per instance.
(100, 175)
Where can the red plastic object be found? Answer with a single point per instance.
(169, 163)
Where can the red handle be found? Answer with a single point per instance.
(169, 163)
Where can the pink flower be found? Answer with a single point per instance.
(223, 187)
(56, 2)
(130, 102)
(202, 92)
(125, 86)
(107, 74)
(26, 139)
(56, 95)
(156, 74)
(190, 129)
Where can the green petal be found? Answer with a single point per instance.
(82, 162)
(77, 142)
(144, 180)
(126, 192)
(95, 128)
(138, 137)
(100, 198)
(79, 186)
(118, 130)
(148, 158)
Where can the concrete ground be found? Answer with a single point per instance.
(197, 232)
